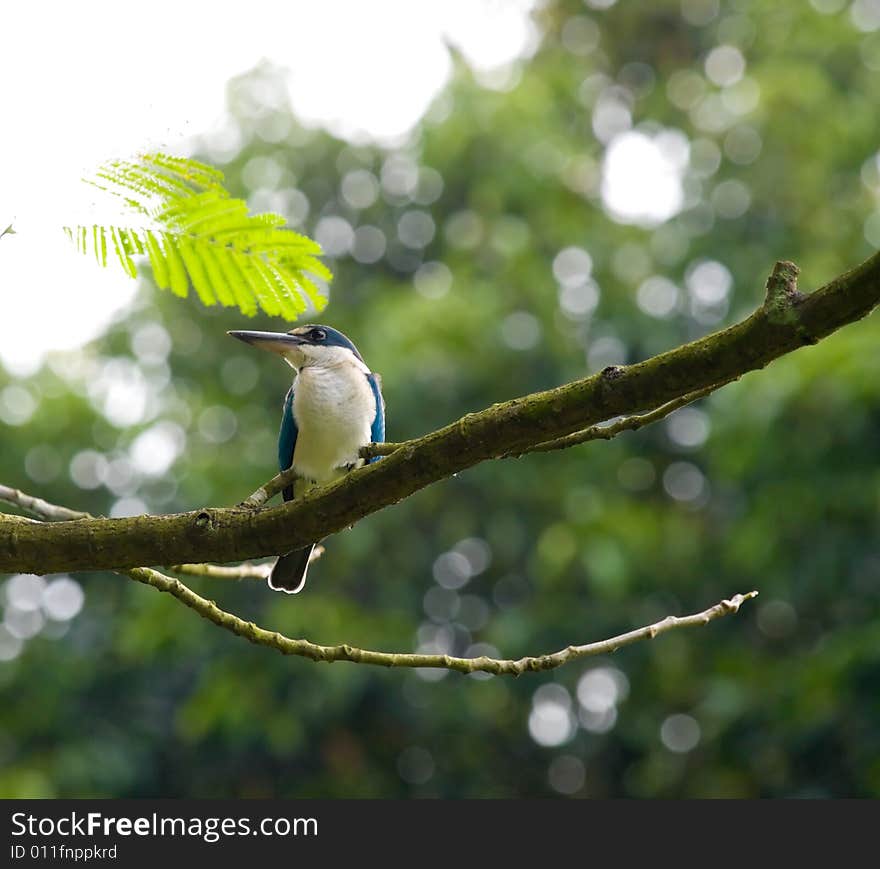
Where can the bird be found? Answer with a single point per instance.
(333, 408)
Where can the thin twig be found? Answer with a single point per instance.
(12, 517)
(248, 570)
(483, 664)
(39, 507)
(305, 649)
(627, 423)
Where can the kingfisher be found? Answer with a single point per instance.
(333, 408)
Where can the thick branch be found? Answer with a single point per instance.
(236, 534)
(57, 513)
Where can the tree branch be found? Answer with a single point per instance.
(783, 324)
(593, 433)
(209, 610)
(628, 423)
(238, 571)
(497, 666)
(223, 571)
(269, 490)
(57, 513)
(39, 507)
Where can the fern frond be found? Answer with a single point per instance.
(198, 236)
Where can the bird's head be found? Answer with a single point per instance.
(320, 346)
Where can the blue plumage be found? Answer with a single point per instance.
(287, 440)
(377, 429)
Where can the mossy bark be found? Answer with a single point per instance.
(786, 322)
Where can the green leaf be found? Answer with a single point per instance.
(157, 261)
(196, 235)
(177, 269)
(99, 242)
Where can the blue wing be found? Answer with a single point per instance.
(287, 440)
(377, 429)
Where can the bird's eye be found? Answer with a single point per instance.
(317, 335)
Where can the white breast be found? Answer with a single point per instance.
(334, 409)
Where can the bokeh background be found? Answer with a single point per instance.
(619, 182)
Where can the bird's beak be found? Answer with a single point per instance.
(274, 342)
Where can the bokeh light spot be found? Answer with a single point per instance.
(63, 599)
(415, 765)
(725, 65)
(433, 280)
(520, 330)
(641, 181)
(551, 721)
(777, 619)
(658, 296)
(566, 774)
(688, 428)
(369, 244)
(685, 482)
(680, 733)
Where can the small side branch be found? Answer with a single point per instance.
(39, 507)
(593, 433)
(372, 451)
(783, 300)
(781, 290)
(269, 490)
(496, 666)
(248, 570)
(224, 571)
(627, 423)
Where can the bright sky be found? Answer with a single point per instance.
(83, 83)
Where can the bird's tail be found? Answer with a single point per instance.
(289, 573)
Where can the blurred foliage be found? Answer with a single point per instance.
(450, 280)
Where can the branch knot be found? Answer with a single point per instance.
(782, 299)
(205, 521)
(781, 286)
